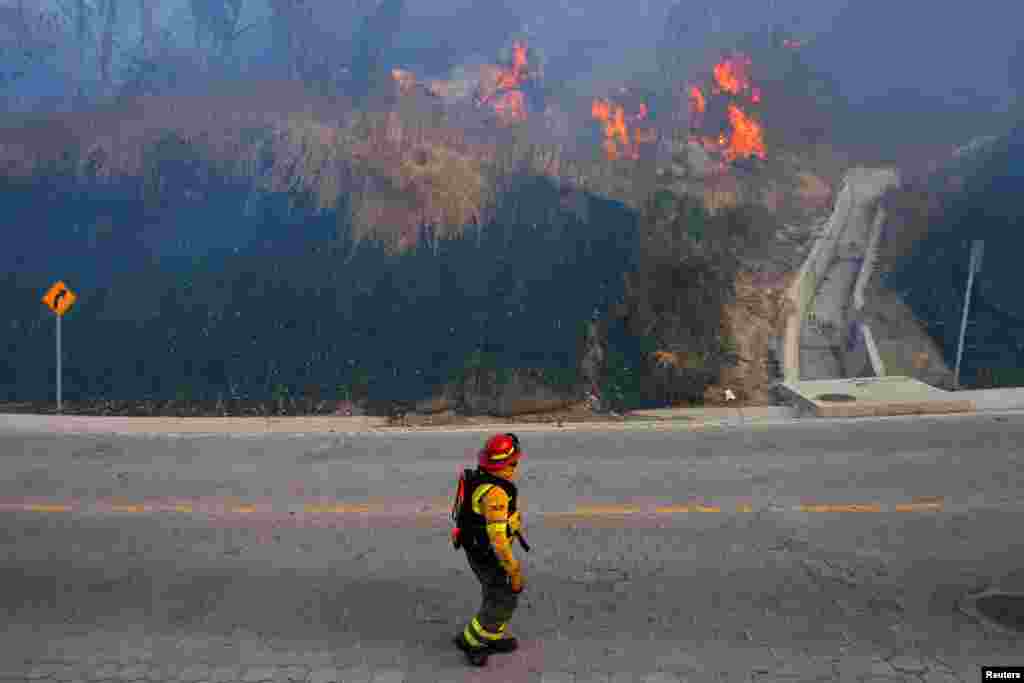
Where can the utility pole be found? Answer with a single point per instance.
(977, 251)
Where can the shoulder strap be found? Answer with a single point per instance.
(505, 484)
(478, 494)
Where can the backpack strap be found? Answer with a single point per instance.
(509, 488)
(481, 491)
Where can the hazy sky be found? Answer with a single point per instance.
(871, 45)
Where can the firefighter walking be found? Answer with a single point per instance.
(487, 517)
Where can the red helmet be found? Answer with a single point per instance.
(500, 451)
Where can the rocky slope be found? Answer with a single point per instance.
(969, 194)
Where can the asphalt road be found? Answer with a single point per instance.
(325, 558)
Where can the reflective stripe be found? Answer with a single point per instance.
(501, 525)
(478, 495)
(502, 456)
(484, 633)
(467, 634)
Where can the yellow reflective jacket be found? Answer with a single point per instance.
(492, 502)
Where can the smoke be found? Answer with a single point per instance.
(870, 46)
(375, 37)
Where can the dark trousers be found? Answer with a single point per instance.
(499, 602)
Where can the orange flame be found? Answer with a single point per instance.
(510, 106)
(514, 76)
(618, 142)
(744, 136)
(613, 117)
(747, 139)
(732, 75)
(700, 105)
(502, 92)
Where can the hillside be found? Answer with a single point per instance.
(419, 244)
(972, 194)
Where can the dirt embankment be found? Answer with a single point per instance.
(753, 323)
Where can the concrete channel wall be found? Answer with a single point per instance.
(817, 264)
(861, 358)
(801, 292)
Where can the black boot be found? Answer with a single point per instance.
(506, 644)
(476, 657)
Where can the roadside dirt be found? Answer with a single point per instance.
(580, 412)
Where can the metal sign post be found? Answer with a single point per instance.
(977, 251)
(59, 299)
(59, 373)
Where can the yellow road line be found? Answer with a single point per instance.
(319, 509)
(128, 508)
(920, 504)
(49, 508)
(607, 510)
(870, 507)
(918, 507)
(675, 509)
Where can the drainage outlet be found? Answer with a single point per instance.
(835, 398)
(1003, 610)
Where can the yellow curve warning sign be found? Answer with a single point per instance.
(59, 298)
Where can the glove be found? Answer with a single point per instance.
(515, 523)
(515, 576)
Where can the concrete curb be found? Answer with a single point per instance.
(687, 419)
(669, 419)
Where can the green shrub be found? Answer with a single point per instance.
(621, 384)
(481, 362)
(560, 377)
(1008, 377)
(663, 202)
(281, 392)
(648, 345)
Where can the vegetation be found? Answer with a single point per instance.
(973, 198)
(354, 246)
(294, 300)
